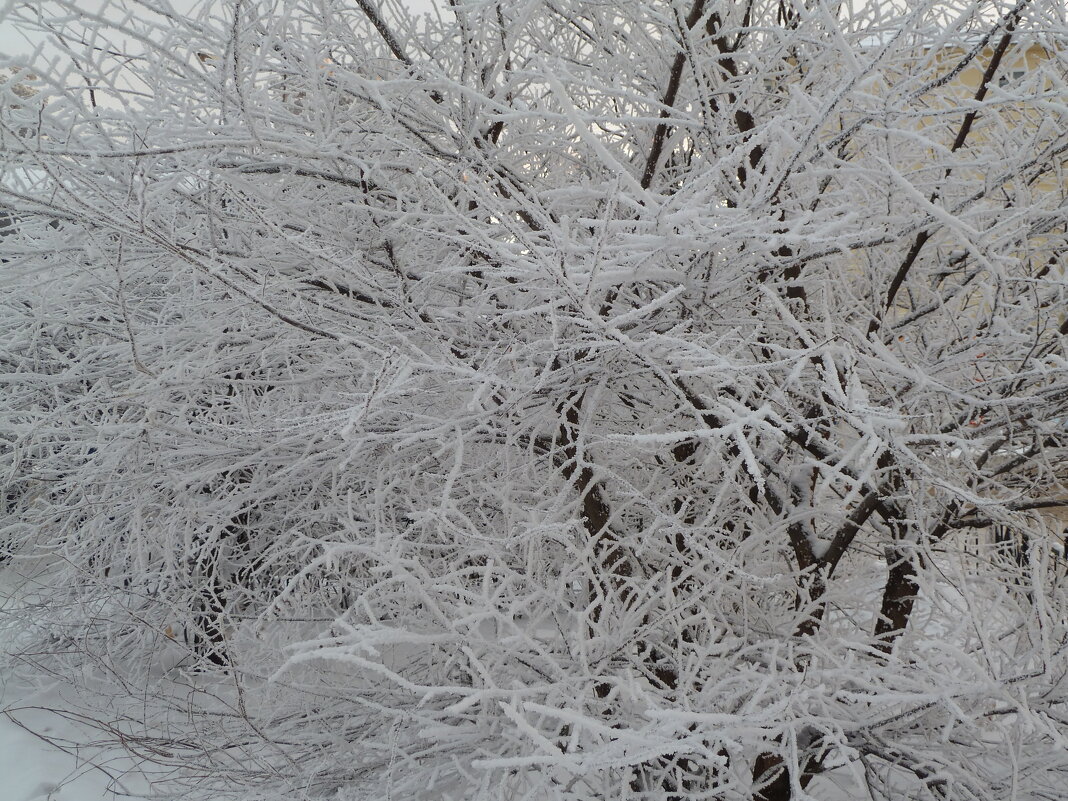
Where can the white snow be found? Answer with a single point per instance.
(67, 769)
(45, 753)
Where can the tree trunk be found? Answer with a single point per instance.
(899, 596)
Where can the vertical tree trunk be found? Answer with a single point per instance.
(899, 596)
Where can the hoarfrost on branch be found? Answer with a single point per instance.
(547, 400)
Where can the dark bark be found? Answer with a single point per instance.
(899, 596)
(662, 131)
(206, 636)
(958, 142)
(779, 787)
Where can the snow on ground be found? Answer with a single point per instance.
(31, 769)
(32, 713)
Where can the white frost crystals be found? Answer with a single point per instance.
(558, 401)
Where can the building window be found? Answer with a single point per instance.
(1011, 77)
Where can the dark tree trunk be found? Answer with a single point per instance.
(899, 596)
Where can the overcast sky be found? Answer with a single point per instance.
(14, 43)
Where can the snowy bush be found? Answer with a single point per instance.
(546, 400)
